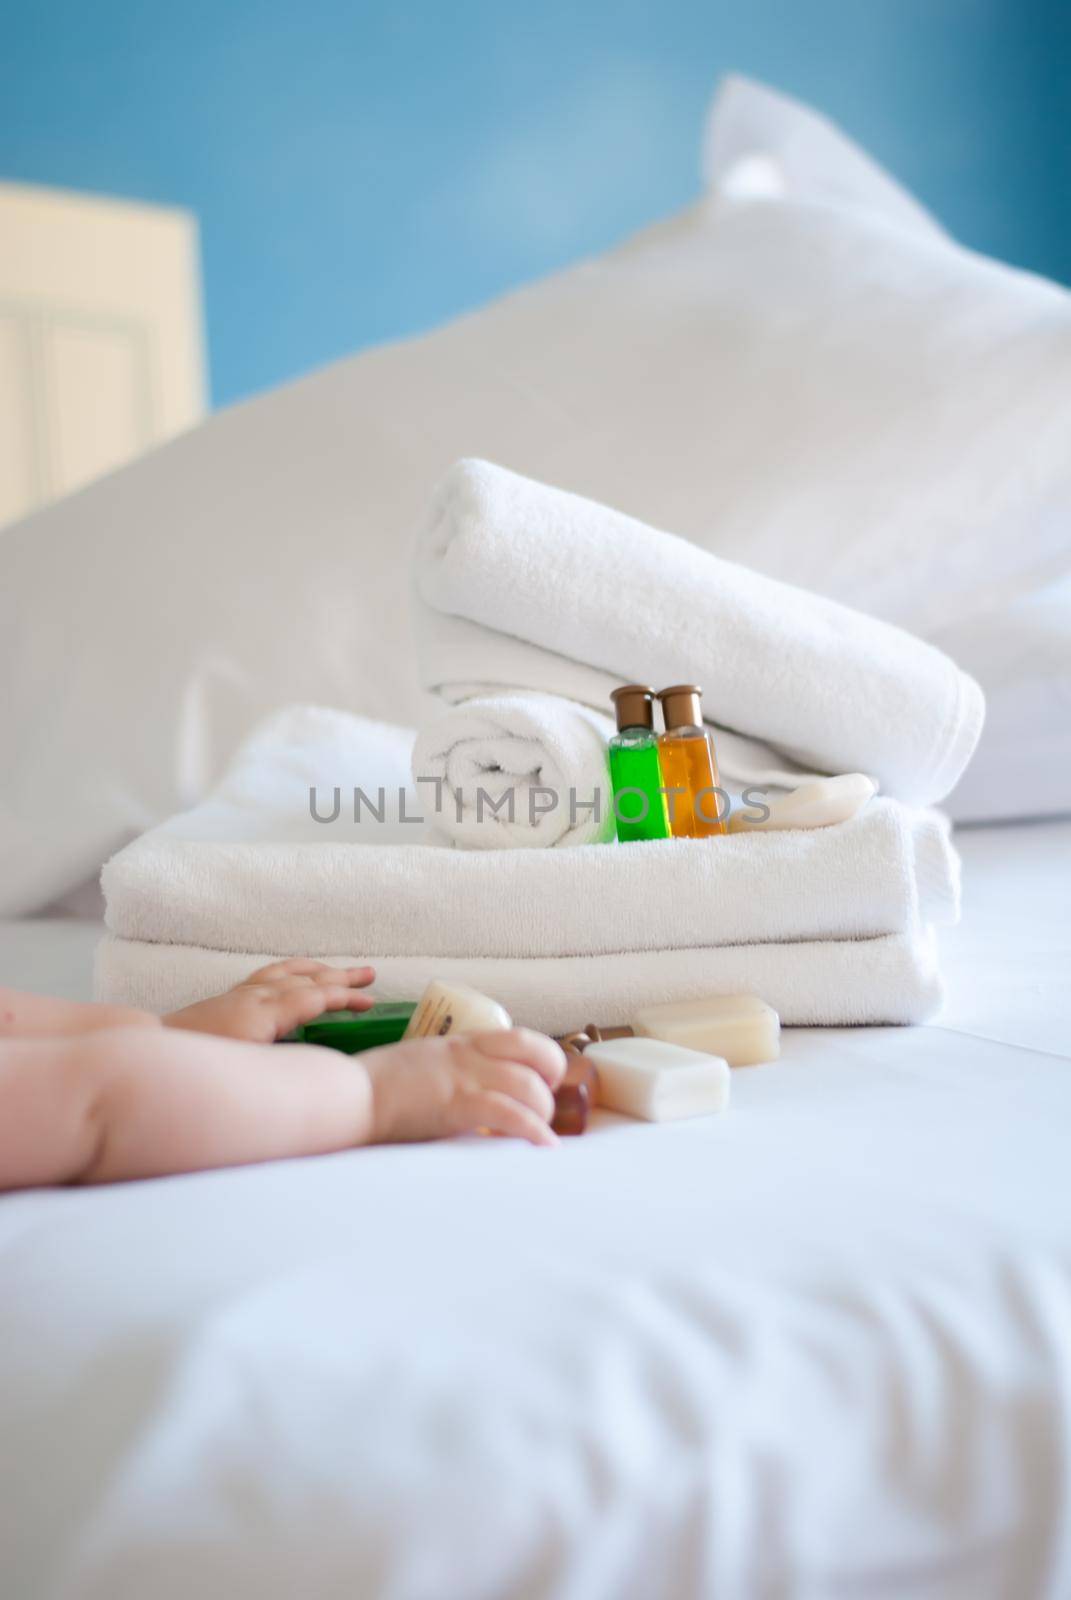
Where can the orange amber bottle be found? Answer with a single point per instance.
(686, 756)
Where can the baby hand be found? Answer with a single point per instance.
(277, 999)
(432, 1088)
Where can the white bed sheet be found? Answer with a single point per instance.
(819, 1346)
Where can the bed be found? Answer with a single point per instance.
(821, 1345)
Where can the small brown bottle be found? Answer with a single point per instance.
(574, 1097)
(686, 756)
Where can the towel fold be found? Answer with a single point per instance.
(834, 983)
(251, 869)
(830, 926)
(886, 871)
(524, 587)
(518, 771)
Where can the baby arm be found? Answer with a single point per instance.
(138, 1103)
(264, 1006)
(34, 1016)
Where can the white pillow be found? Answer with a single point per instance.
(824, 387)
(761, 144)
(1022, 767)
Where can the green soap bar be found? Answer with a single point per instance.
(351, 1031)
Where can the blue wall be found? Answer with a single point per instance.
(365, 169)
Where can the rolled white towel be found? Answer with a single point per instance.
(523, 587)
(516, 771)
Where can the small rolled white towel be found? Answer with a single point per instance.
(516, 771)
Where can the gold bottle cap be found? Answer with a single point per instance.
(595, 1034)
(682, 706)
(573, 1044)
(634, 706)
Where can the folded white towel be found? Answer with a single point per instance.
(250, 869)
(518, 771)
(521, 586)
(834, 983)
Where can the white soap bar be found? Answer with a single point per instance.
(813, 805)
(656, 1081)
(740, 1027)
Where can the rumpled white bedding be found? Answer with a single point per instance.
(818, 1346)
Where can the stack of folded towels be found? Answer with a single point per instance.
(531, 604)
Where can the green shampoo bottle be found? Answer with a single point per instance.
(635, 774)
(352, 1031)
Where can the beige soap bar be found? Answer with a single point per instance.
(658, 1082)
(740, 1027)
(813, 805)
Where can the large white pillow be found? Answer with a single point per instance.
(1022, 766)
(819, 384)
(1019, 645)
